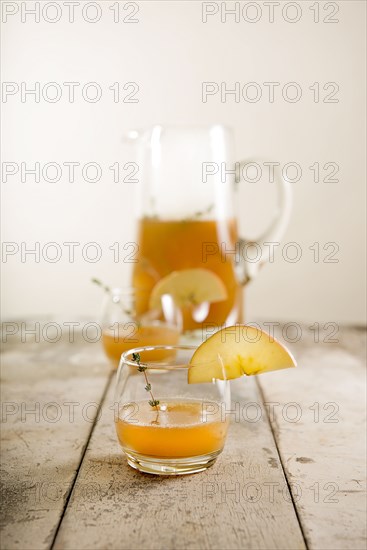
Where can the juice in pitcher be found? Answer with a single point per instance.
(166, 246)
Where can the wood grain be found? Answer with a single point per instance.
(42, 450)
(241, 502)
(324, 452)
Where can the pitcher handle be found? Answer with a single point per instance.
(247, 268)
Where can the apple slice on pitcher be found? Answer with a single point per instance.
(238, 351)
(189, 287)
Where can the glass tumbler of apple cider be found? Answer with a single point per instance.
(165, 425)
(124, 327)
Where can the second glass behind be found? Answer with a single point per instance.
(123, 328)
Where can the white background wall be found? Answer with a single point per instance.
(169, 53)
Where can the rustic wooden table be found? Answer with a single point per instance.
(292, 474)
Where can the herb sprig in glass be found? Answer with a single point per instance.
(143, 368)
(108, 291)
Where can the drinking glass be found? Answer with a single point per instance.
(165, 425)
(124, 328)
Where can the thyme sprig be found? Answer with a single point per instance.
(99, 283)
(199, 213)
(107, 289)
(143, 368)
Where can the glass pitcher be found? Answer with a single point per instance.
(186, 217)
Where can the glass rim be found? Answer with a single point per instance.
(159, 364)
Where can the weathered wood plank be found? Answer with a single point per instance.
(324, 452)
(48, 391)
(241, 502)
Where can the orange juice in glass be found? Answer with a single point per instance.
(124, 328)
(164, 425)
